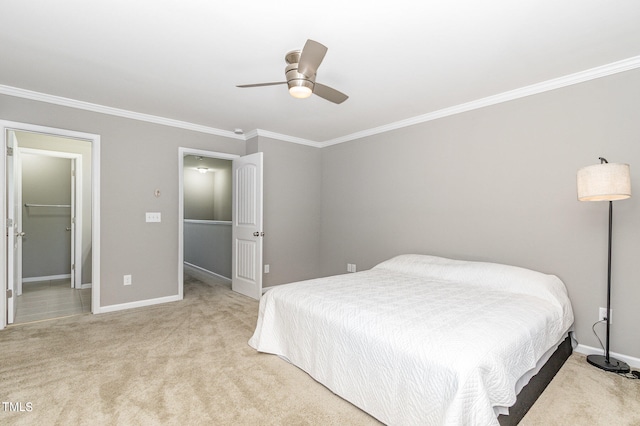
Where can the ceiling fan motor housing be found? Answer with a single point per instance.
(294, 78)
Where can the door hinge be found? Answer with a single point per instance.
(9, 293)
(73, 266)
(9, 151)
(9, 223)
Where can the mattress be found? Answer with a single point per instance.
(418, 339)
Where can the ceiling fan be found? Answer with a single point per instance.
(301, 74)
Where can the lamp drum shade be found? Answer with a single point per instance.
(604, 182)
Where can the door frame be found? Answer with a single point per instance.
(183, 152)
(94, 139)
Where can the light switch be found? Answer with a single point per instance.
(154, 217)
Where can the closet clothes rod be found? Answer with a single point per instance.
(47, 205)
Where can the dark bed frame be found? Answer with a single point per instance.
(530, 393)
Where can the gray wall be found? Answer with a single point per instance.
(499, 184)
(136, 159)
(198, 195)
(292, 190)
(46, 246)
(207, 244)
(207, 196)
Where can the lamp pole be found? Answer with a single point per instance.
(609, 281)
(605, 362)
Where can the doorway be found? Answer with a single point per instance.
(245, 222)
(207, 192)
(198, 213)
(80, 153)
(49, 187)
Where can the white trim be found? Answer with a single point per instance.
(208, 222)
(287, 138)
(183, 152)
(137, 304)
(95, 203)
(86, 285)
(203, 153)
(46, 278)
(251, 134)
(88, 106)
(533, 89)
(588, 350)
(203, 273)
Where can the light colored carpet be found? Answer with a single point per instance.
(182, 363)
(189, 362)
(583, 395)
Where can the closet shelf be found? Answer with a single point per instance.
(47, 205)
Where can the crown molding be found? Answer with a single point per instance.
(251, 134)
(287, 138)
(534, 89)
(88, 106)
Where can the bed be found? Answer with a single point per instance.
(420, 339)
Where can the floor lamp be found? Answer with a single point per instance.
(605, 182)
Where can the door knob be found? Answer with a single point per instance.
(20, 234)
(256, 234)
(68, 229)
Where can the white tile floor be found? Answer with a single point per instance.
(51, 299)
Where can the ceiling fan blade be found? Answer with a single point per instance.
(330, 94)
(311, 57)
(261, 84)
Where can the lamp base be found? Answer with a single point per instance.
(613, 365)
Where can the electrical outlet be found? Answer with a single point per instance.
(351, 267)
(127, 280)
(266, 269)
(602, 315)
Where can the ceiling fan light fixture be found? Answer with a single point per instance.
(300, 89)
(300, 92)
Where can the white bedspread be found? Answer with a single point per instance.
(418, 339)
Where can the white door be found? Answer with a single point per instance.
(14, 229)
(247, 233)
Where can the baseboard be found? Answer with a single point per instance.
(588, 350)
(46, 278)
(203, 274)
(53, 277)
(137, 304)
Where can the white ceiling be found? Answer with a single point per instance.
(397, 60)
